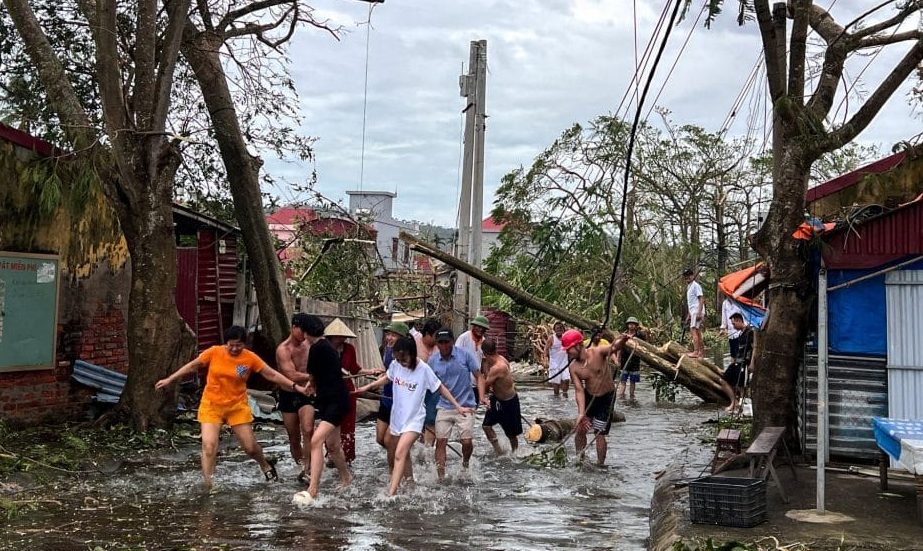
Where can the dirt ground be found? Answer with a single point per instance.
(883, 520)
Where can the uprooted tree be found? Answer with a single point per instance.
(803, 131)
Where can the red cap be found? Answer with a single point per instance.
(571, 338)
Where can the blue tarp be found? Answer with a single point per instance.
(752, 315)
(857, 314)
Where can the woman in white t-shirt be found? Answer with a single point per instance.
(411, 378)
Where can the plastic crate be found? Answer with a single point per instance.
(728, 501)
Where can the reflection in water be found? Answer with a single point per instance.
(500, 503)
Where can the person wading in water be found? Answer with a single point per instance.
(593, 388)
(224, 400)
(503, 404)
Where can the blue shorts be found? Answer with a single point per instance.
(431, 401)
(633, 376)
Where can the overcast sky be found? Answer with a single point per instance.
(551, 63)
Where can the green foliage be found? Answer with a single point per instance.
(664, 388)
(554, 457)
(761, 544)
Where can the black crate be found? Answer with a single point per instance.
(728, 501)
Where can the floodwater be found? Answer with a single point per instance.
(500, 503)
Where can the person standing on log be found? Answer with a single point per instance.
(594, 389)
(695, 303)
(503, 404)
(224, 400)
(735, 376)
(557, 361)
(630, 363)
(296, 408)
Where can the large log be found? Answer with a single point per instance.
(518, 295)
(555, 430)
(699, 380)
(674, 350)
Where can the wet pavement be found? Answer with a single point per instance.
(499, 503)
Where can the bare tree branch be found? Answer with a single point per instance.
(145, 58)
(884, 40)
(876, 101)
(905, 12)
(178, 15)
(233, 15)
(834, 61)
(798, 50)
(767, 31)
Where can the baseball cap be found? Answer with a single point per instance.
(444, 334)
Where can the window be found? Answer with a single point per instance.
(395, 242)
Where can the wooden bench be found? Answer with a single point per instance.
(762, 454)
(727, 449)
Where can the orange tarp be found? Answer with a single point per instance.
(730, 283)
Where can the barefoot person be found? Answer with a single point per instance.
(557, 361)
(297, 409)
(224, 400)
(590, 367)
(411, 379)
(392, 334)
(331, 403)
(630, 363)
(503, 404)
(695, 315)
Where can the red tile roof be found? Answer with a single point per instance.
(851, 178)
(291, 216)
(490, 224)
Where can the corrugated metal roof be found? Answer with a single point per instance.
(857, 392)
(850, 178)
(879, 240)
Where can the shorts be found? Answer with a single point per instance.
(599, 410)
(632, 376)
(431, 401)
(333, 409)
(558, 378)
(734, 375)
(384, 413)
(506, 413)
(232, 415)
(291, 402)
(446, 419)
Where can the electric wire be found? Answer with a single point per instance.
(610, 291)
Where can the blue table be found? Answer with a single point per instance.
(901, 439)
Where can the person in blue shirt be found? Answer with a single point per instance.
(455, 367)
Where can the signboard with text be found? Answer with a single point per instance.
(28, 310)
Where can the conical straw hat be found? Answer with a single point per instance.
(338, 329)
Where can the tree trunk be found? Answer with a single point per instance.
(518, 295)
(158, 339)
(778, 347)
(202, 50)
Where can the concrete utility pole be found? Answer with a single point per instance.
(471, 202)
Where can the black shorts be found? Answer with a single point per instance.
(734, 375)
(599, 410)
(332, 409)
(506, 413)
(384, 413)
(291, 402)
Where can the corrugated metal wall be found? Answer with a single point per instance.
(186, 268)
(216, 286)
(858, 391)
(904, 295)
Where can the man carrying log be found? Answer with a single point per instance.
(594, 389)
(503, 404)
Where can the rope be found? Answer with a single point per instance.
(610, 291)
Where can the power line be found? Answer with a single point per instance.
(644, 59)
(675, 62)
(631, 144)
(365, 95)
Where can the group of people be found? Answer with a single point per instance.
(431, 386)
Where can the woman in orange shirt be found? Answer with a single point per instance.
(224, 400)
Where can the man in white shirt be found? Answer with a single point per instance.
(728, 309)
(471, 341)
(695, 303)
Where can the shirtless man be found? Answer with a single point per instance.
(503, 404)
(593, 388)
(297, 409)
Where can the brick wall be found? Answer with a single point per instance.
(102, 341)
(29, 397)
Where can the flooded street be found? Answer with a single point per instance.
(499, 504)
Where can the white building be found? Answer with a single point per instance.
(376, 209)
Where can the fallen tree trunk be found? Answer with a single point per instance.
(698, 378)
(556, 430)
(518, 295)
(674, 351)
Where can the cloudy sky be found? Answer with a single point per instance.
(551, 63)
